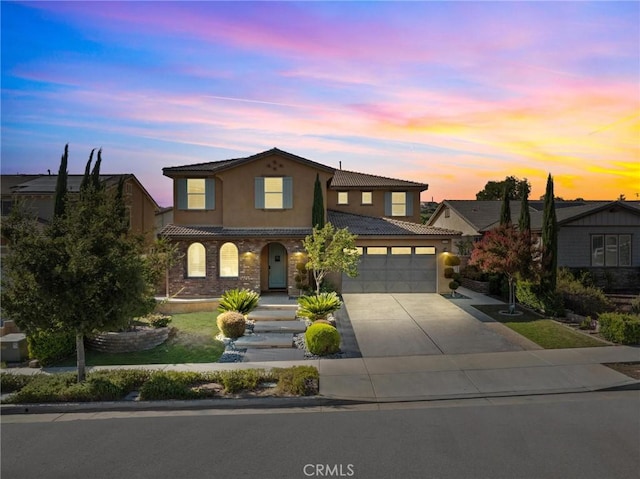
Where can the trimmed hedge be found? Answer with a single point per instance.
(529, 294)
(50, 347)
(231, 323)
(580, 297)
(113, 385)
(620, 328)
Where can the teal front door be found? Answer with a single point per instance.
(277, 266)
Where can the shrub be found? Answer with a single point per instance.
(156, 320)
(171, 385)
(581, 298)
(232, 324)
(635, 305)
(297, 380)
(620, 328)
(322, 339)
(14, 382)
(474, 273)
(587, 323)
(318, 306)
(451, 260)
(530, 294)
(448, 272)
(453, 285)
(242, 379)
(51, 346)
(241, 300)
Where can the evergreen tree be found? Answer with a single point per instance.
(505, 211)
(81, 273)
(95, 174)
(87, 173)
(60, 198)
(317, 214)
(549, 241)
(524, 223)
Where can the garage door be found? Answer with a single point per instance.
(394, 270)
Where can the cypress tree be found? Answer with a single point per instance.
(95, 174)
(86, 179)
(524, 223)
(61, 185)
(549, 241)
(317, 214)
(505, 212)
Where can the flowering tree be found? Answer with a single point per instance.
(504, 250)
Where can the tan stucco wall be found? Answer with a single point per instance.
(235, 196)
(355, 205)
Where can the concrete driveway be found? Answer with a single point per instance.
(410, 324)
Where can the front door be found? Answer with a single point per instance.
(277, 266)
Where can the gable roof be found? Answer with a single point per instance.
(217, 166)
(374, 226)
(352, 179)
(485, 215)
(46, 184)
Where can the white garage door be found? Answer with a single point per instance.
(394, 270)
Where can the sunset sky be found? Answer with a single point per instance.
(452, 94)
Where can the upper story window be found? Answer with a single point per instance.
(274, 193)
(343, 197)
(398, 203)
(611, 250)
(196, 261)
(196, 193)
(367, 198)
(229, 261)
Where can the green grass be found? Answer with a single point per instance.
(194, 342)
(544, 332)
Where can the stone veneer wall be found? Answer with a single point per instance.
(128, 341)
(249, 255)
(477, 286)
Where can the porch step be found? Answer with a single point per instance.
(279, 327)
(279, 354)
(273, 314)
(265, 341)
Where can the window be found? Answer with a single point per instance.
(274, 193)
(196, 261)
(196, 193)
(343, 197)
(377, 250)
(401, 250)
(425, 250)
(447, 212)
(611, 250)
(367, 198)
(398, 203)
(229, 261)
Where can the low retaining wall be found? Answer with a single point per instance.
(177, 306)
(477, 286)
(128, 341)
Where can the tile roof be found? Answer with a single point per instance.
(373, 226)
(352, 179)
(204, 231)
(215, 166)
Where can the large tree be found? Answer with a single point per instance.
(331, 250)
(505, 250)
(505, 211)
(81, 273)
(60, 197)
(524, 222)
(495, 190)
(549, 241)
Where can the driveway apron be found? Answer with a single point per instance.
(407, 324)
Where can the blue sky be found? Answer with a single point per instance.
(453, 94)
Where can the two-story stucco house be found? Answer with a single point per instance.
(241, 222)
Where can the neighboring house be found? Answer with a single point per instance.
(241, 222)
(602, 237)
(38, 191)
(164, 217)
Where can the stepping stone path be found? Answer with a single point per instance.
(273, 332)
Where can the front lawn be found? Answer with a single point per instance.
(194, 342)
(544, 332)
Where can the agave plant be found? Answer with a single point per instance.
(241, 300)
(318, 306)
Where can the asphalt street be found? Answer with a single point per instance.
(588, 435)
